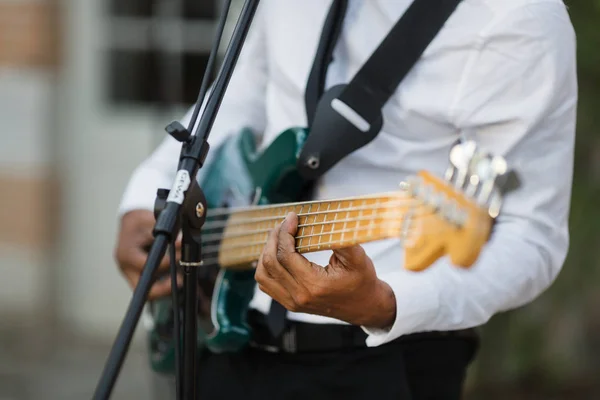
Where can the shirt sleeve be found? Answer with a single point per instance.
(518, 99)
(243, 106)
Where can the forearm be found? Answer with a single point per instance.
(157, 171)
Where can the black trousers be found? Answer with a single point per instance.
(418, 369)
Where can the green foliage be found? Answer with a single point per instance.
(585, 15)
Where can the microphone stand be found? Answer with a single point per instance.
(184, 204)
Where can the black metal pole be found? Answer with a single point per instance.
(193, 154)
(192, 219)
(176, 321)
(136, 305)
(190, 330)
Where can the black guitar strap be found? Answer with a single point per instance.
(348, 117)
(324, 56)
(276, 318)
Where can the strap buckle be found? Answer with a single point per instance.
(289, 342)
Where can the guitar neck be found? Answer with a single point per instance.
(322, 225)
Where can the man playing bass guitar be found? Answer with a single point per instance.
(356, 324)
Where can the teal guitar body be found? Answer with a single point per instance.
(239, 175)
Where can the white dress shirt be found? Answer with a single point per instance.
(502, 72)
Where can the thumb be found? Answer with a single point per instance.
(352, 256)
(290, 224)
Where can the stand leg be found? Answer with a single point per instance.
(190, 282)
(127, 329)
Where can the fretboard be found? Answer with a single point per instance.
(322, 225)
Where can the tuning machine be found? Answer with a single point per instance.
(480, 175)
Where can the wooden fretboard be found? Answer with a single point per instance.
(322, 225)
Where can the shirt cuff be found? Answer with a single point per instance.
(417, 304)
(140, 193)
(138, 204)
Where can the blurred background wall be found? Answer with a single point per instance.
(26, 66)
(86, 88)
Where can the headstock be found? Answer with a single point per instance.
(455, 215)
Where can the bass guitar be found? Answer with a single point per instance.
(434, 217)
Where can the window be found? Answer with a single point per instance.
(157, 50)
(191, 9)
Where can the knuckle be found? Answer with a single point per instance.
(317, 291)
(281, 254)
(269, 261)
(302, 299)
(359, 252)
(260, 276)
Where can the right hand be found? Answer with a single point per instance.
(135, 237)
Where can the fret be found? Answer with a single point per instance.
(312, 228)
(346, 221)
(246, 231)
(357, 226)
(336, 244)
(334, 219)
(373, 219)
(323, 225)
(265, 231)
(381, 226)
(266, 226)
(301, 230)
(253, 218)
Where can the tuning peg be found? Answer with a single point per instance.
(449, 173)
(462, 153)
(461, 157)
(495, 205)
(473, 186)
(412, 185)
(489, 173)
(480, 175)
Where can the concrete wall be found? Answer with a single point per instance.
(28, 184)
(65, 157)
(98, 149)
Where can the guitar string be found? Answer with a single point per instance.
(254, 256)
(232, 210)
(236, 222)
(215, 237)
(392, 200)
(284, 212)
(391, 225)
(386, 226)
(258, 209)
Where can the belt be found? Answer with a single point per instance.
(302, 337)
